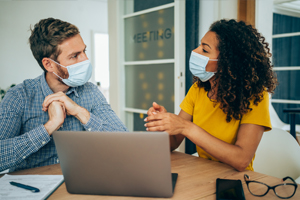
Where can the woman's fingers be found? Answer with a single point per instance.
(151, 111)
(156, 128)
(155, 106)
(158, 108)
(155, 116)
(154, 123)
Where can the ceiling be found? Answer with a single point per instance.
(292, 6)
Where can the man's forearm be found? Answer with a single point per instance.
(14, 150)
(83, 115)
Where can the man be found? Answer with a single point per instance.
(59, 99)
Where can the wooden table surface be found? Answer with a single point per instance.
(196, 180)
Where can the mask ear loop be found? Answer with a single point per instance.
(59, 65)
(57, 75)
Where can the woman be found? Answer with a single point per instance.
(226, 110)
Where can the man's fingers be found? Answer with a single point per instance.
(64, 109)
(53, 95)
(48, 102)
(59, 96)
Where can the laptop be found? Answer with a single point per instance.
(116, 163)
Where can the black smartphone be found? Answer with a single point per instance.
(228, 189)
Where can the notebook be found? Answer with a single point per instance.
(116, 163)
(47, 184)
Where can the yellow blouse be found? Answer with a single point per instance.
(213, 119)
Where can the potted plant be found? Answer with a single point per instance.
(3, 91)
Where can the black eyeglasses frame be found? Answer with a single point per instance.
(246, 177)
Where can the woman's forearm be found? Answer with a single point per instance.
(237, 155)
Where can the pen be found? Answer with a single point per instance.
(26, 187)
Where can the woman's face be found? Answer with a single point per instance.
(209, 48)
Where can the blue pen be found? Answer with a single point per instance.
(26, 187)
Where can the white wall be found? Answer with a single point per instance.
(115, 78)
(17, 62)
(213, 10)
(264, 19)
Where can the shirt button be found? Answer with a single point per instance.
(43, 142)
(62, 126)
(89, 129)
(57, 160)
(24, 157)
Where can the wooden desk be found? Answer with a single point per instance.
(196, 180)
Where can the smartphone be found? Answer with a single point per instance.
(228, 189)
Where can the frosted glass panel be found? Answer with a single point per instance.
(131, 6)
(147, 83)
(150, 36)
(138, 122)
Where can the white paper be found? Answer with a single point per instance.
(45, 183)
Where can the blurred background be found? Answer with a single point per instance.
(140, 48)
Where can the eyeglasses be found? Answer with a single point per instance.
(283, 191)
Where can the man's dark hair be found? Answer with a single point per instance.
(45, 37)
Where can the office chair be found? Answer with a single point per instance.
(277, 123)
(278, 154)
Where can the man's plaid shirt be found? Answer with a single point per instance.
(24, 141)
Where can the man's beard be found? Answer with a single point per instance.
(61, 73)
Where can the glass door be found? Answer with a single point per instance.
(153, 57)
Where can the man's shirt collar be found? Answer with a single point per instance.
(73, 89)
(47, 90)
(45, 87)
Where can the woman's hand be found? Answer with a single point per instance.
(167, 122)
(156, 109)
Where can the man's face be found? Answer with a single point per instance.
(72, 51)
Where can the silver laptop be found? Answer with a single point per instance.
(116, 163)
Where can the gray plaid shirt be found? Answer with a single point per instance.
(24, 141)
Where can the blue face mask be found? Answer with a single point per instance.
(198, 64)
(79, 73)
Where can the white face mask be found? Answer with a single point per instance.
(79, 73)
(198, 64)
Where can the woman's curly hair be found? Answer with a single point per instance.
(244, 68)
